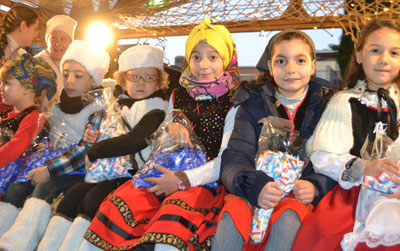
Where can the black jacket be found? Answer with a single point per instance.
(238, 172)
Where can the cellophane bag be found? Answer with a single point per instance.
(279, 155)
(59, 141)
(382, 147)
(114, 125)
(17, 170)
(175, 147)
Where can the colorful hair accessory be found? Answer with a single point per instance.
(34, 74)
(218, 37)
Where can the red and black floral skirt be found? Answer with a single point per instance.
(132, 216)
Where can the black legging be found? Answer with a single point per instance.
(85, 198)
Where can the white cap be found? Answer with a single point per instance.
(141, 56)
(94, 58)
(62, 23)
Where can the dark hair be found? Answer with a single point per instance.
(265, 76)
(355, 71)
(13, 18)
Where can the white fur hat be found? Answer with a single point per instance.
(62, 23)
(94, 58)
(141, 56)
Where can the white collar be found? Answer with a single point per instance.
(370, 99)
(11, 47)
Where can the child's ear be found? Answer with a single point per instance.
(269, 67)
(313, 67)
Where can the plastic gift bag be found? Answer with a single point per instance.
(175, 147)
(381, 147)
(110, 168)
(279, 148)
(97, 101)
(60, 140)
(101, 99)
(16, 171)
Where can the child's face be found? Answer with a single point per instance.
(291, 66)
(77, 80)
(205, 62)
(12, 92)
(380, 57)
(141, 82)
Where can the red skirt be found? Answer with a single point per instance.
(241, 214)
(132, 216)
(334, 217)
(331, 220)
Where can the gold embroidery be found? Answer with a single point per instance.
(205, 245)
(165, 239)
(170, 239)
(185, 206)
(126, 212)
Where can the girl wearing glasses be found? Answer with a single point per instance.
(137, 113)
(179, 213)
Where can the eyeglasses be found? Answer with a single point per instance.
(136, 78)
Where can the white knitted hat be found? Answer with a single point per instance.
(95, 59)
(62, 23)
(141, 56)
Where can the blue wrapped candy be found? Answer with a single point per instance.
(182, 160)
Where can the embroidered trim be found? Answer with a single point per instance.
(185, 206)
(96, 240)
(126, 212)
(205, 245)
(170, 239)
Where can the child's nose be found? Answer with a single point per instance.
(141, 81)
(70, 79)
(291, 66)
(204, 63)
(384, 56)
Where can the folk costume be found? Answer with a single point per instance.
(186, 219)
(238, 168)
(351, 216)
(122, 146)
(66, 169)
(19, 130)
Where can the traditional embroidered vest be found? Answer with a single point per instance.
(206, 116)
(363, 124)
(10, 126)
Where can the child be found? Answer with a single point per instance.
(189, 210)
(22, 79)
(83, 66)
(143, 108)
(348, 123)
(285, 89)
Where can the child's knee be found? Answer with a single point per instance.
(44, 191)
(17, 193)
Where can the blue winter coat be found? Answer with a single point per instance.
(238, 172)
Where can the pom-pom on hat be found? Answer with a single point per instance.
(94, 58)
(141, 56)
(63, 23)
